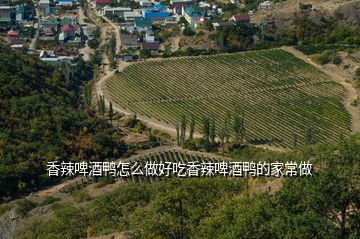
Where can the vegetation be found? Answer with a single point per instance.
(325, 205)
(42, 119)
(279, 95)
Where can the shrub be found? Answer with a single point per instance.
(24, 206)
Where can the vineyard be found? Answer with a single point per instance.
(282, 97)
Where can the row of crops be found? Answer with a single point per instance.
(154, 167)
(280, 95)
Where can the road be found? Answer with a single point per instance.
(32, 45)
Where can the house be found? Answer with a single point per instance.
(102, 3)
(68, 31)
(49, 12)
(68, 3)
(220, 25)
(152, 46)
(55, 60)
(265, 5)
(68, 20)
(129, 41)
(131, 16)
(115, 11)
(177, 8)
(44, 4)
(5, 16)
(194, 16)
(14, 38)
(62, 51)
(157, 12)
(19, 11)
(49, 22)
(149, 36)
(173, 2)
(244, 19)
(142, 24)
(126, 58)
(145, 3)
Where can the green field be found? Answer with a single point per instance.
(281, 96)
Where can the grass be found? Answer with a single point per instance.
(280, 95)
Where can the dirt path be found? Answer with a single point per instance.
(337, 76)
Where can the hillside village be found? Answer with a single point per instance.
(66, 30)
(59, 31)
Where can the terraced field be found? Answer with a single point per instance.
(281, 95)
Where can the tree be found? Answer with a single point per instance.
(183, 125)
(111, 112)
(206, 129)
(188, 31)
(101, 105)
(212, 133)
(309, 136)
(192, 127)
(222, 135)
(239, 127)
(177, 128)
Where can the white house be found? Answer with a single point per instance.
(145, 3)
(118, 11)
(149, 36)
(130, 16)
(265, 5)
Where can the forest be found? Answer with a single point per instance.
(42, 118)
(324, 205)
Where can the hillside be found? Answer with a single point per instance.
(41, 120)
(217, 207)
(281, 97)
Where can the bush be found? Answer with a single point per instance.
(93, 43)
(337, 60)
(357, 72)
(48, 200)
(188, 31)
(24, 206)
(81, 196)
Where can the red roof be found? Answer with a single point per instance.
(103, 1)
(12, 33)
(67, 27)
(242, 18)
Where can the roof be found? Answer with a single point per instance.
(132, 14)
(20, 9)
(65, 21)
(239, 18)
(150, 45)
(222, 24)
(127, 39)
(194, 11)
(153, 14)
(12, 33)
(49, 21)
(108, 8)
(159, 7)
(68, 27)
(143, 22)
(5, 8)
(103, 1)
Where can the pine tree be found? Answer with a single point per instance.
(192, 127)
(206, 129)
(212, 134)
(111, 112)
